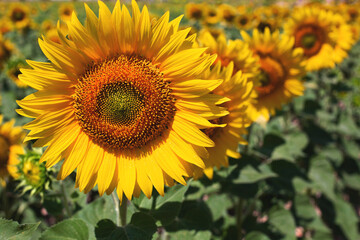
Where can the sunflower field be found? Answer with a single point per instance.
(168, 120)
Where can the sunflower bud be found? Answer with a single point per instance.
(33, 176)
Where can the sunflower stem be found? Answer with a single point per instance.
(123, 210)
(117, 209)
(239, 217)
(5, 201)
(66, 202)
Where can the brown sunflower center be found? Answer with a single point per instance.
(263, 25)
(16, 72)
(243, 21)
(196, 13)
(353, 13)
(264, 78)
(215, 32)
(124, 103)
(272, 75)
(212, 13)
(120, 103)
(4, 151)
(229, 16)
(310, 38)
(67, 12)
(17, 15)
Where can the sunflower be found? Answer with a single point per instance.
(228, 13)
(281, 68)
(268, 17)
(5, 25)
(13, 73)
(46, 25)
(194, 11)
(215, 32)
(125, 110)
(351, 14)
(245, 21)
(342, 29)
(263, 23)
(52, 34)
(3, 6)
(237, 88)
(212, 15)
(33, 176)
(6, 48)
(19, 15)
(228, 51)
(65, 11)
(321, 34)
(10, 146)
(44, 6)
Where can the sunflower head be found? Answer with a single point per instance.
(46, 25)
(44, 5)
(33, 176)
(5, 25)
(6, 48)
(194, 11)
(320, 33)
(13, 72)
(281, 69)
(245, 21)
(236, 90)
(19, 15)
(228, 13)
(212, 15)
(10, 147)
(227, 51)
(125, 110)
(65, 11)
(52, 33)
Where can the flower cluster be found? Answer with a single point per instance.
(132, 102)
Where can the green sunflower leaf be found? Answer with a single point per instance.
(283, 221)
(11, 230)
(142, 226)
(256, 235)
(68, 229)
(251, 175)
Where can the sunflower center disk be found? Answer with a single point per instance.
(196, 13)
(264, 79)
(310, 38)
(243, 21)
(124, 103)
(17, 15)
(228, 16)
(271, 76)
(4, 152)
(120, 103)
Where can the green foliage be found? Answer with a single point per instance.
(11, 230)
(141, 226)
(74, 228)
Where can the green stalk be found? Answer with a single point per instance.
(117, 209)
(239, 217)
(66, 202)
(123, 210)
